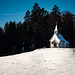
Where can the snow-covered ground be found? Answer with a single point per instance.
(48, 61)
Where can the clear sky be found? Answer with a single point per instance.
(14, 10)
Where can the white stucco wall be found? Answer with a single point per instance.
(52, 45)
(63, 44)
(54, 37)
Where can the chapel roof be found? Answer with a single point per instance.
(60, 37)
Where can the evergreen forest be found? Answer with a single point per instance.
(36, 30)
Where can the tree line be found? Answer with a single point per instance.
(36, 30)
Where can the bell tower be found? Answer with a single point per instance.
(56, 29)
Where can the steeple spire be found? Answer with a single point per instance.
(56, 29)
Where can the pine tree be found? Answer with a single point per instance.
(35, 13)
(1, 41)
(55, 16)
(27, 16)
(56, 11)
(68, 26)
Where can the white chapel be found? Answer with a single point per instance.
(57, 41)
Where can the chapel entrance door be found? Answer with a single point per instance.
(55, 44)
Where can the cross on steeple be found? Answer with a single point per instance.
(56, 23)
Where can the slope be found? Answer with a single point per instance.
(47, 61)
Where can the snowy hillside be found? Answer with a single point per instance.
(48, 61)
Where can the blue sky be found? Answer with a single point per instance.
(14, 10)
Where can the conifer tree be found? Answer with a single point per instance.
(68, 26)
(27, 16)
